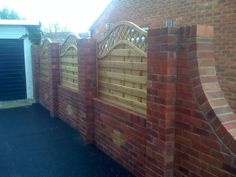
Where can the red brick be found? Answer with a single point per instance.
(230, 125)
(183, 115)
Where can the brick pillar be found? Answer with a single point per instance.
(35, 50)
(87, 89)
(205, 142)
(162, 76)
(53, 57)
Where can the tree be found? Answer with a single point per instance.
(8, 14)
(55, 28)
(35, 32)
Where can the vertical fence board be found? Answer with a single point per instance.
(69, 64)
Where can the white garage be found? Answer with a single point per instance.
(16, 82)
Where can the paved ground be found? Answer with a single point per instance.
(34, 145)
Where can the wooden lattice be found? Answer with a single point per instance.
(122, 67)
(43, 63)
(123, 31)
(69, 65)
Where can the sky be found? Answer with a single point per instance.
(75, 15)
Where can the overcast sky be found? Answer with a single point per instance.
(77, 15)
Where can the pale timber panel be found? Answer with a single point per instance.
(122, 67)
(122, 78)
(69, 68)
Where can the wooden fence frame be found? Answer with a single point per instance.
(44, 50)
(133, 38)
(70, 45)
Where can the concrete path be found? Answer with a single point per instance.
(34, 145)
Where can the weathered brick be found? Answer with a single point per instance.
(187, 115)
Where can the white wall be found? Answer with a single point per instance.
(16, 32)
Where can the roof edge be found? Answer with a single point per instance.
(94, 23)
(19, 22)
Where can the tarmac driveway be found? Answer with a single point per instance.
(32, 144)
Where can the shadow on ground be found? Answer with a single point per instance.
(34, 145)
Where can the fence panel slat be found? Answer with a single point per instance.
(69, 64)
(124, 89)
(123, 65)
(124, 77)
(43, 62)
(127, 103)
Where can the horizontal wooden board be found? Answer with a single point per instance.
(124, 77)
(44, 71)
(69, 68)
(124, 89)
(123, 65)
(43, 66)
(44, 55)
(125, 53)
(44, 61)
(44, 77)
(129, 104)
(69, 80)
(70, 84)
(69, 51)
(70, 76)
(69, 60)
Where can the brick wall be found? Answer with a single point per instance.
(45, 91)
(162, 76)
(72, 106)
(220, 14)
(53, 59)
(87, 79)
(145, 144)
(76, 107)
(122, 135)
(205, 124)
(189, 129)
(44, 96)
(68, 106)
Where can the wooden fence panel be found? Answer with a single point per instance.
(122, 67)
(44, 63)
(69, 64)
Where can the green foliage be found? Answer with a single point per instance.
(7, 14)
(35, 34)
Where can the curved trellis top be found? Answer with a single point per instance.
(70, 42)
(44, 45)
(126, 32)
